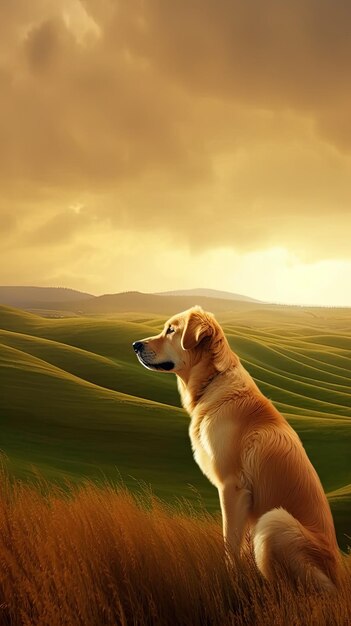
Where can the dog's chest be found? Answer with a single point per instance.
(212, 444)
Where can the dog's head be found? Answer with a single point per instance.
(183, 342)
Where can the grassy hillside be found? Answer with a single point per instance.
(74, 401)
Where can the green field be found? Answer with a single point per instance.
(75, 403)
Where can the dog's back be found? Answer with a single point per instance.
(289, 506)
(288, 512)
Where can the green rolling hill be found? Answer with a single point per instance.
(75, 403)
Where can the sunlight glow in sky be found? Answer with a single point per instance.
(156, 146)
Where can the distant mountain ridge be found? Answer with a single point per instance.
(138, 302)
(70, 301)
(166, 303)
(208, 293)
(32, 297)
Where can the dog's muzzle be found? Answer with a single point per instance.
(138, 348)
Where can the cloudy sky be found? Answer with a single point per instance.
(154, 145)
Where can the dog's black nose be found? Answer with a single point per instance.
(138, 346)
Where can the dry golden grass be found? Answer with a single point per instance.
(95, 556)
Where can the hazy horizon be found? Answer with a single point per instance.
(126, 291)
(157, 146)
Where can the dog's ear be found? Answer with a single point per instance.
(197, 326)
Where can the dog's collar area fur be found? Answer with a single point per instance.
(206, 384)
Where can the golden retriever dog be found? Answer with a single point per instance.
(267, 485)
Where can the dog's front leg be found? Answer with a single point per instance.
(235, 505)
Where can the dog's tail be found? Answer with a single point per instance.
(281, 540)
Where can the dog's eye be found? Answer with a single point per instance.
(170, 330)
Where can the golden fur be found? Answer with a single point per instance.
(266, 483)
